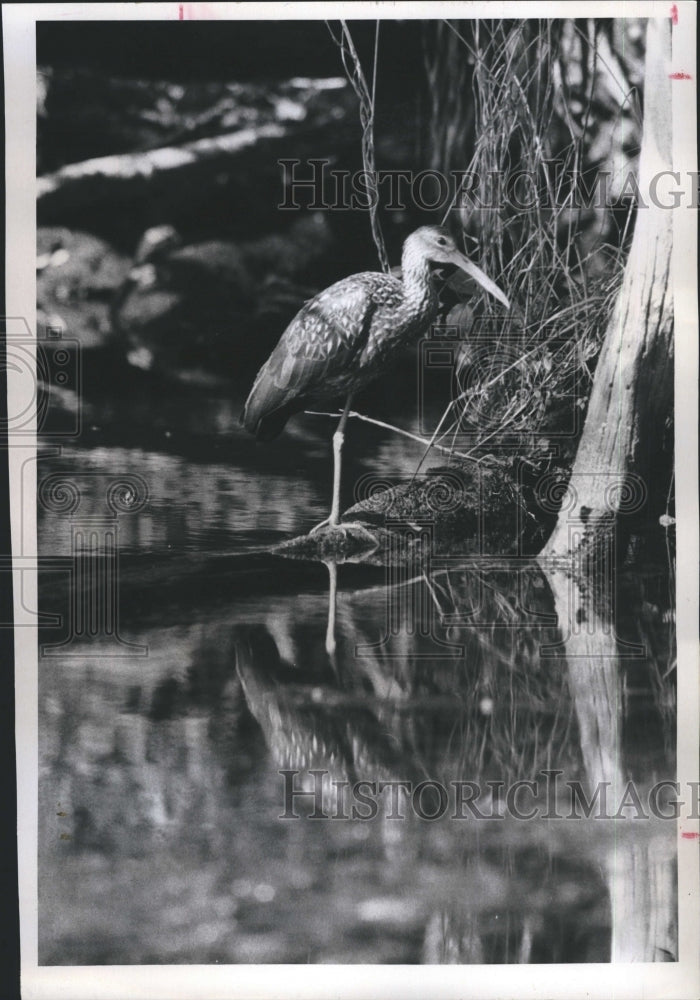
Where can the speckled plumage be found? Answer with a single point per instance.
(344, 337)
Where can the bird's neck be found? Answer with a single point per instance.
(419, 291)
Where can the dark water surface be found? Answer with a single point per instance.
(165, 727)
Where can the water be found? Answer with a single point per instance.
(161, 746)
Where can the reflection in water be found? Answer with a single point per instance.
(331, 644)
(160, 792)
(161, 832)
(641, 877)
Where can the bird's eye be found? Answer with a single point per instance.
(441, 241)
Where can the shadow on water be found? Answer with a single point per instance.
(168, 833)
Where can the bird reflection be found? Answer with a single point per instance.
(493, 709)
(331, 645)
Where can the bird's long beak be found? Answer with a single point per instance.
(478, 275)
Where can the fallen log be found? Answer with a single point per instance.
(188, 173)
(92, 179)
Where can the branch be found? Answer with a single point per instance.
(143, 166)
(396, 430)
(358, 82)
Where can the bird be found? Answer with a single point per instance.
(347, 335)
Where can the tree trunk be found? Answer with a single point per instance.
(639, 867)
(632, 395)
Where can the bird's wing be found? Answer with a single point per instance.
(318, 344)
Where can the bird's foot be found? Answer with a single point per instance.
(346, 527)
(328, 523)
(361, 529)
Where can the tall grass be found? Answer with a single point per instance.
(541, 108)
(366, 97)
(532, 110)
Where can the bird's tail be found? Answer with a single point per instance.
(268, 427)
(267, 408)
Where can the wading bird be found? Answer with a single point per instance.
(346, 336)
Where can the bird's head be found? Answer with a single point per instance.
(435, 245)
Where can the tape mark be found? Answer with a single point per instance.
(197, 12)
(690, 836)
(674, 14)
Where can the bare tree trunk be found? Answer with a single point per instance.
(632, 394)
(123, 178)
(631, 400)
(640, 868)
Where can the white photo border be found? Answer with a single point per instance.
(182, 982)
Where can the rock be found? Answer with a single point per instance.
(349, 542)
(292, 254)
(182, 306)
(478, 508)
(448, 510)
(77, 275)
(215, 306)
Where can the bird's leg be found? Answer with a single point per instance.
(332, 602)
(334, 520)
(338, 439)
